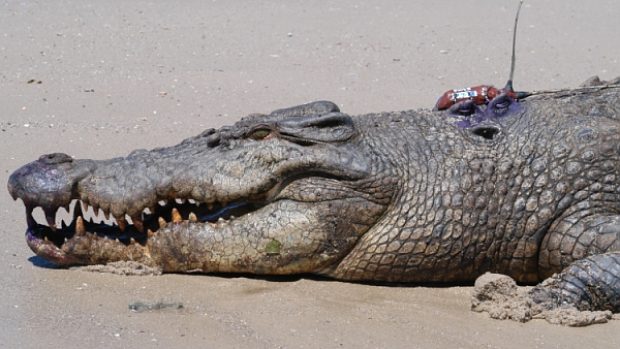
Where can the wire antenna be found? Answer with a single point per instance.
(514, 42)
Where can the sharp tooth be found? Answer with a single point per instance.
(221, 220)
(192, 217)
(122, 223)
(162, 202)
(79, 226)
(192, 201)
(150, 233)
(83, 206)
(115, 240)
(162, 222)
(179, 201)
(45, 239)
(132, 240)
(232, 217)
(66, 240)
(176, 216)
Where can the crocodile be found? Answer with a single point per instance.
(530, 189)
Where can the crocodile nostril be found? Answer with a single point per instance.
(487, 132)
(55, 158)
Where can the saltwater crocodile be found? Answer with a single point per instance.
(527, 189)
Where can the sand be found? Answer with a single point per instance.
(98, 79)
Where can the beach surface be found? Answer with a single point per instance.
(97, 79)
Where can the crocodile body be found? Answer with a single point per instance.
(526, 189)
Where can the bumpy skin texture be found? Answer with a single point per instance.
(526, 190)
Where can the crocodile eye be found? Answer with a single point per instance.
(260, 133)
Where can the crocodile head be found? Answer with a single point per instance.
(278, 193)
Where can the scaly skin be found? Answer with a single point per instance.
(524, 189)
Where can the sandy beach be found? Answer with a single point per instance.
(97, 79)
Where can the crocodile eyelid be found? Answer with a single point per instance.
(260, 132)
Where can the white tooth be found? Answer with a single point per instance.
(84, 206)
(176, 216)
(147, 211)
(179, 201)
(221, 220)
(192, 201)
(162, 202)
(192, 217)
(162, 222)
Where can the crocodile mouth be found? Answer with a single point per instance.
(80, 221)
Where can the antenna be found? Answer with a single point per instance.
(514, 41)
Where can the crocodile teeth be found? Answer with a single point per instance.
(162, 222)
(79, 226)
(192, 217)
(176, 216)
